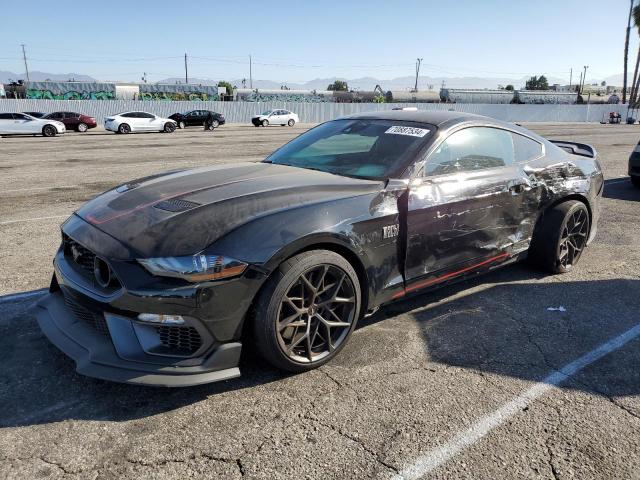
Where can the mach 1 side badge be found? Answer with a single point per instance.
(390, 231)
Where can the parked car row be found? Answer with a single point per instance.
(56, 123)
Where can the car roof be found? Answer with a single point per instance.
(433, 117)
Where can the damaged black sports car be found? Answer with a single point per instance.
(161, 280)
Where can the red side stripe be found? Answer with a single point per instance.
(431, 281)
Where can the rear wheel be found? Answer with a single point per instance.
(124, 128)
(49, 131)
(181, 125)
(265, 123)
(307, 310)
(561, 237)
(82, 127)
(169, 127)
(291, 122)
(636, 181)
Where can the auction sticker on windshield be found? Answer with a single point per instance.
(411, 131)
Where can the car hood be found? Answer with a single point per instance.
(183, 212)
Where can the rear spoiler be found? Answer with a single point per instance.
(581, 149)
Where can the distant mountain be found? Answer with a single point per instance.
(363, 83)
(36, 76)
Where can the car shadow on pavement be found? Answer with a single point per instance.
(495, 324)
(621, 189)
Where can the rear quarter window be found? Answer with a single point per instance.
(525, 148)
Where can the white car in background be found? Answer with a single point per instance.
(23, 124)
(131, 122)
(275, 117)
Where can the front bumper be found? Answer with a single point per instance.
(98, 327)
(106, 358)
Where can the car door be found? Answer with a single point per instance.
(6, 123)
(25, 124)
(71, 120)
(465, 209)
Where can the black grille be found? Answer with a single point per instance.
(176, 205)
(182, 340)
(94, 320)
(78, 254)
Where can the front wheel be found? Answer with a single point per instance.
(215, 124)
(635, 181)
(561, 237)
(307, 310)
(49, 131)
(291, 122)
(265, 123)
(82, 127)
(169, 127)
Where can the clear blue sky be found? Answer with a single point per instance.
(298, 41)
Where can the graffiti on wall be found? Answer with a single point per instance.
(38, 94)
(179, 96)
(282, 97)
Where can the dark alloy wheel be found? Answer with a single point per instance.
(49, 131)
(124, 128)
(307, 310)
(635, 181)
(169, 127)
(291, 122)
(561, 237)
(82, 127)
(265, 123)
(215, 124)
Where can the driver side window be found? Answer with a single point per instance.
(474, 148)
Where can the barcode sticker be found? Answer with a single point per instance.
(411, 131)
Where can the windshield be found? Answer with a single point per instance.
(364, 148)
(268, 112)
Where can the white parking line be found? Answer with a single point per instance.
(22, 295)
(432, 460)
(8, 222)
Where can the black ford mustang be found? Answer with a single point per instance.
(160, 280)
(197, 118)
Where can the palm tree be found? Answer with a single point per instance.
(626, 54)
(633, 98)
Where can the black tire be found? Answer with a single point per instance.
(265, 123)
(82, 127)
(49, 131)
(181, 124)
(124, 128)
(274, 302)
(215, 124)
(560, 237)
(635, 181)
(291, 122)
(169, 127)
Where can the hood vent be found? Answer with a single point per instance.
(176, 205)
(126, 187)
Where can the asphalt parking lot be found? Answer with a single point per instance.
(478, 380)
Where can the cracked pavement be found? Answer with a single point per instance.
(412, 376)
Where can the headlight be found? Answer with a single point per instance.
(197, 268)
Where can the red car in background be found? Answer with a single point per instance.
(74, 121)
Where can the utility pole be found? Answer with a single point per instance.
(570, 78)
(186, 71)
(584, 77)
(250, 75)
(418, 62)
(580, 85)
(26, 68)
